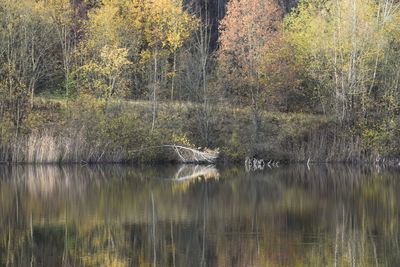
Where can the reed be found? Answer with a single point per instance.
(323, 146)
(46, 147)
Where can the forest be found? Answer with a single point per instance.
(113, 80)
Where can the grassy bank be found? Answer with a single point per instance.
(89, 130)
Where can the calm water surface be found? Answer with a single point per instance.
(199, 216)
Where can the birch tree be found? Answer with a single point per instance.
(27, 44)
(345, 45)
(62, 15)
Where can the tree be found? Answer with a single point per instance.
(26, 53)
(151, 31)
(62, 15)
(246, 32)
(344, 46)
(14, 99)
(166, 28)
(103, 76)
(199, 66)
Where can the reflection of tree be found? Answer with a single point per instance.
(285, 217)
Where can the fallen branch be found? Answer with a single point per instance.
(189, 155)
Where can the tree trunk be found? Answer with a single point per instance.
(154, 92)
(173, 77)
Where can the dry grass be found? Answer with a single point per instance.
(47, 148)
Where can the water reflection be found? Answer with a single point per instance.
(189, 172)
(198, 216)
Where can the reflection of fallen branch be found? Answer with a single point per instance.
(190, 172)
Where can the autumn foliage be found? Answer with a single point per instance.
(246, 34)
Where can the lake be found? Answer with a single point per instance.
(115, 215)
